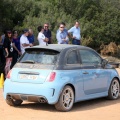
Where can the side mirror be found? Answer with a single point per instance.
(109, 64)
(104, 63)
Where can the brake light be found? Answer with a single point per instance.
(51, 77)
(9, 74)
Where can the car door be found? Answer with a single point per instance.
(72, 70)
(95, 77)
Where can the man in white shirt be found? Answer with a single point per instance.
(24, 42)
(41, 37)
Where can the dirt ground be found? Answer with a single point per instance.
(99, 109)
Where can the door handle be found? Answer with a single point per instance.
(85, 72)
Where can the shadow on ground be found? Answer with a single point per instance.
(80, 106)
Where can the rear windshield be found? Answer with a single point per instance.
(40, 56)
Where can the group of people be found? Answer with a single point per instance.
(12, 46)
(62, 34)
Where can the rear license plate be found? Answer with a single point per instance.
(30, 77)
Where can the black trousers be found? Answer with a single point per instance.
(2, 62)
(14, 59)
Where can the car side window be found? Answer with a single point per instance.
(89, 57)
(72, 58)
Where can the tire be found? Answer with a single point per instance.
(12, 102)
(114, 90)
(66, 99)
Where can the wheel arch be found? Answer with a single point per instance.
(117, 79)
(67, 84)
(72, 86)
(112, 80)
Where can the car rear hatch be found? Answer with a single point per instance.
(34, 66)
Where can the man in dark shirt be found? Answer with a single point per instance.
(47, 33)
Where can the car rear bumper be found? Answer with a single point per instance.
(31, 92)
(31, 98)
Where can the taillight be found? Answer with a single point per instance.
(51, 77)
(9, 74)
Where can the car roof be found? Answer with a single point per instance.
(57, 47)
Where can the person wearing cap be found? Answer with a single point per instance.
(24, 42)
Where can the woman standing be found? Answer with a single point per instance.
(10, 48)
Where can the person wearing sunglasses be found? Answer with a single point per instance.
(47, 33)
(74, 33)
(62, 36)
(65, 29)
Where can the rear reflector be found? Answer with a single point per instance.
(9, 74)
(51, 77)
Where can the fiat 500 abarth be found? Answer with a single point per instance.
(60, 75)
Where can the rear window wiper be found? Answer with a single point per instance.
(28, 61)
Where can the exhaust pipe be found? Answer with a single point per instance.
(9, 97)
(41, 100)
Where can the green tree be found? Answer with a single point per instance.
(99, 19)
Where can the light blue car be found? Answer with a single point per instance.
(60, 75)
